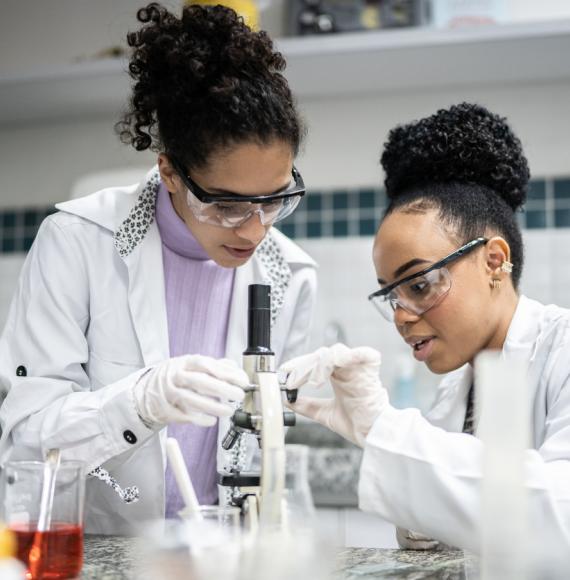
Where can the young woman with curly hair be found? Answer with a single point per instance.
(131, 311)
(448, 257)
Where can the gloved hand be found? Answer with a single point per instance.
(189, 389)
(359, 394)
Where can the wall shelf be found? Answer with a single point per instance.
(424, 59)
(326, 66)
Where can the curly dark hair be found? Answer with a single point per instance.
(468, 164)
(205, 81)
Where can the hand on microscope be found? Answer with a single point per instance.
(189, 389)
(359, 396)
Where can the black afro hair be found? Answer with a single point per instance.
(203, 81)
(467, 163)
(463, 144)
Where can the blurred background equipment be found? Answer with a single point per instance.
(458, 13)
(325, 16)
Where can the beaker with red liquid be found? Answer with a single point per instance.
(55, 554)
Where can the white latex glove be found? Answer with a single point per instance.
(189, 389)
(359, 394)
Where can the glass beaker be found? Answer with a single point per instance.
(61, 545)
(194, 548)
(221, 516)
(299, 510)
(215, 542)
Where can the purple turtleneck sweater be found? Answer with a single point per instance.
(198, 294)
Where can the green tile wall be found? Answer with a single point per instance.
(357, 212)
(18, 227)
(337, 213)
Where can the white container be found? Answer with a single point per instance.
(460, 13)
(10, 567)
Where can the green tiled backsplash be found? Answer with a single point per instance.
(18, 227)
(354, 212)
(357, 212)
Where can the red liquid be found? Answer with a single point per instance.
(61, 550)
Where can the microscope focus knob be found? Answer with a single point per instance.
(289, 419)
(292, 395)
(230, 439)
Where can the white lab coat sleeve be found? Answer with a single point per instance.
(53, 406)
(426, 479)
(298, 336)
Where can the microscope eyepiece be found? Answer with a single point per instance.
(259, 320)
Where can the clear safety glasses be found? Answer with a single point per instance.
(421, 291)
(233, 210)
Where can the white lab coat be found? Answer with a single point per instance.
(423, 474)
(89, 315)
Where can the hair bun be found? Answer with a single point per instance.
(200, 54)
(204, 80)
(463, 144)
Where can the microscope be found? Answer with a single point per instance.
(260, 495)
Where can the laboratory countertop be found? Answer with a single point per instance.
(113, 558)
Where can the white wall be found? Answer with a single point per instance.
(346, 135)
(38, 33)
(40, 163)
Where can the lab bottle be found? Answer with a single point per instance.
(403, 393)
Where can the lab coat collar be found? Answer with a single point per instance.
(524, 333)
(521, 343)
(110, 207)
(147, 297)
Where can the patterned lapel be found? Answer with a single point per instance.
(136, 225)
(278, 273)
(134, 228)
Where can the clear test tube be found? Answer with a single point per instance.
(504, 428)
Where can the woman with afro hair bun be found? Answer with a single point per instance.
(130, 317)
(448, 257)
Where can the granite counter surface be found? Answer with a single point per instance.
(114, 558)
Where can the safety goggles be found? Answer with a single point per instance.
(233, 210)
(419, 292)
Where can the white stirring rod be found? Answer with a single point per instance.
(37, 555)
(185, 486)
(51, 466)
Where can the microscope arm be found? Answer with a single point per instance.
(272, 449)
